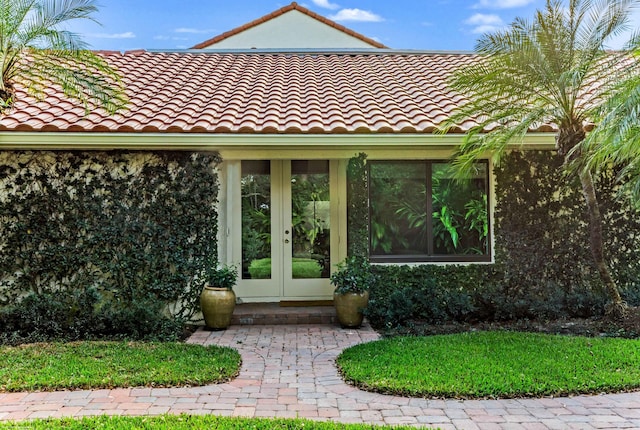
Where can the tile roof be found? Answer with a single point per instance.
(261, 92)
(283, 10)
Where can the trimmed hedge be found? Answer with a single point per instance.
(96, 244)
(306, 268)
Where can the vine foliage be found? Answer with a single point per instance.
(97, 244)
(358, 207)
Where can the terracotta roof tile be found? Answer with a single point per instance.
(262, 92)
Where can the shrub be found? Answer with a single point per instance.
(306, 268)
(354, 275)
(402, 295)
(303, 268)
(221, 277)
(260, 269)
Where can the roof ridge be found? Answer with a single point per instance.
(281, 11)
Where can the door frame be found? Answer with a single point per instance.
(230, 230)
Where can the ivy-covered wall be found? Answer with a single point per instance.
(99, 244)
(542, 231)
(543, 263)
(357, 206)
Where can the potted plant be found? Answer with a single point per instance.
(217, 299)
(352, 281)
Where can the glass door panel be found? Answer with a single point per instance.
(307, 235)
(256, 220)
(310, 219)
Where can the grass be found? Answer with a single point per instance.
(493, 365)
(90, 365)
(181, 422)
(302, 268)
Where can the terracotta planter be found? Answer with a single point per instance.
(349, 308)
(217, 306)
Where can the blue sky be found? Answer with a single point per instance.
(451, 25)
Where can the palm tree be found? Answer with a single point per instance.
(616, 140)
(37, 51)
(553, 69)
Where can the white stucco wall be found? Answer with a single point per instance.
(291, 30)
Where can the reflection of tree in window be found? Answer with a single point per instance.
(404, 193)
(460, 222)
(310, 214)
(256, 214)
(394, 187)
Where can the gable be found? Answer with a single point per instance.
(291, 30)
(291, 27)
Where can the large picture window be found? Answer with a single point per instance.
(420, 212)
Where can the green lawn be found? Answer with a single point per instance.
(181, 422)
(493, 364)
(85, 365)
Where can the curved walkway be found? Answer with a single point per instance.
(288, 371)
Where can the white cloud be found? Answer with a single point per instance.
(483, 23)
(356, 15)
(163, 37)
(127, 35)
(325, 4)
(193, 30)
(501, 4)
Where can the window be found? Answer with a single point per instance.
(419, 212)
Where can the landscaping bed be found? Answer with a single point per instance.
(627, 327)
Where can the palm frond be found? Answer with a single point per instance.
(82, 75)
(616, 140)
(37, 51)
(552, 69)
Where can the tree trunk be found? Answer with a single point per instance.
(616, 307)
(6, 99)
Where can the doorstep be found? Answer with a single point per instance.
(275, 314)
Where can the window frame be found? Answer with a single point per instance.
(430, 257)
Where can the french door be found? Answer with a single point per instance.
(288, 234)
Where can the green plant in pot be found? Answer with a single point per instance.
(351, 295)
(217, 299)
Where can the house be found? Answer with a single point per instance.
(287, 100)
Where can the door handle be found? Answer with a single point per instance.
(286, 232)
(286, 241)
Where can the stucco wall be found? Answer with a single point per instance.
(291, 30)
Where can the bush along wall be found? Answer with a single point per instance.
(543, 263)
(103, 244)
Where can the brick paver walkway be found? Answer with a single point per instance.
(288, 371)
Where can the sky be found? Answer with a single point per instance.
(449, 25)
